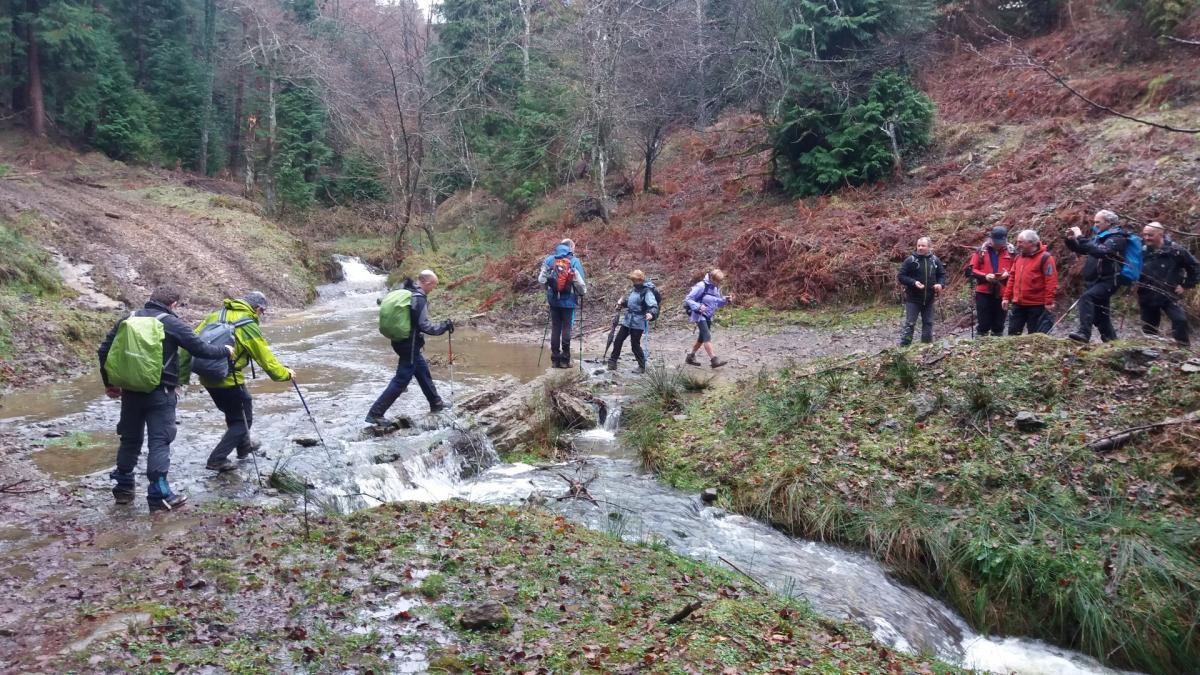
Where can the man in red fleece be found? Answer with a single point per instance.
(1029, 294)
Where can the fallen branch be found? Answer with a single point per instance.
(1194, 43)
(577, 489)
(8, 489)
(683, 613)
(1114, 441)
(743, 573)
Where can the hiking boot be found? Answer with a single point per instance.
(160, 497)
(123, 491)
(1079, 337)
(716, 362)
(612, 364)
(248, 449)
(437, 406)
(378, 421)
(221, 465)
(691, 360)
(640, 370)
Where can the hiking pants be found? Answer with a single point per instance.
(911, 311)
(238, 407)
(1094, 310)
(1029, 319)
(1152, 310)
(560, 333)
(635, 344)
(406, 370)
(150, 417)
(990, 313)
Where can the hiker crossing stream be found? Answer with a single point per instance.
(342, 363)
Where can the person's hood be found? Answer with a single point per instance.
(1040, 250)
(238, 306)
(708, 280)
(999, 246)
(562, 251)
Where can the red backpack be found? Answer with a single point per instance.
(562, 275)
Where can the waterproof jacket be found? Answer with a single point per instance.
(248, 343)
(1105, 252)
(991, 259)
(421, 325)
(640, 301)
(926, 269)
(704, 300)
(569, 298)
(1164, 269)
(177, 336)
(1033, 281)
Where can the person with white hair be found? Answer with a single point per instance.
(1105, 252)
(922, 276)
(412, 362)
(1032, 284)
(1168, 270)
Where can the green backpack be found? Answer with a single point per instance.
(135, 359)
(395, 315)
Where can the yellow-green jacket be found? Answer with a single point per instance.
(248, 344)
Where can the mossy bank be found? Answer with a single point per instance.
(248, 590)
(916, 456)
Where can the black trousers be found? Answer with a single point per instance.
(911, 311)
(1094, 310)
(560, 333)
(635, 344)
(149, 417)
(238, 407)
(1152, 309)
(990, 313)
(1029, 319)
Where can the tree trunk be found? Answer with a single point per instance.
(651, 154)
(139, 41)
(701, 85)
(210, 29)
(37, 103)
(526, 8)
(271, 118)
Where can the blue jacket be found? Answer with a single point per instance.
(704, 300)
(569, 298)
(640, 301)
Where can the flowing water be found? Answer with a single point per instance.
(342, 363)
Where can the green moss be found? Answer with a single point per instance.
(1026, 533)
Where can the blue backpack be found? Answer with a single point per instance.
(1131, 268)
(219, 332)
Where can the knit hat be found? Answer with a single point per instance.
(256, 300)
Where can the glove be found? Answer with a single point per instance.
(449, 326)
(112, 392)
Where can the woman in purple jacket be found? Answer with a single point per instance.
(703, 301)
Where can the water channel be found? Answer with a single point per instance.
(342, 363)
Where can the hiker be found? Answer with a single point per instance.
(1029, 293)
(143, 372)
(990, 267)
(1168, 270)
(1105, 252)
(922, 276)
(641, 307)
(562, 275)
(230, 394)
(702, 302)
(412, 362)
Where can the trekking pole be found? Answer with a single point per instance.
(313, 420)
(581, 334)
(1065, 315)
(253, 457)
(450, 339)
(545, 332)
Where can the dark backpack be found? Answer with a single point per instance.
(219, 332)
(654, 311)
(562, 276)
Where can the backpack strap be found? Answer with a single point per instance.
(174, 354)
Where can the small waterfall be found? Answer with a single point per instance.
(357, 278)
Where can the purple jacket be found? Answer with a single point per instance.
(704, 295)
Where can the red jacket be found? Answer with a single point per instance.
(981, 266)
(1034, 280)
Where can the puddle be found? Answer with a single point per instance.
(111, 626)
(79, 454)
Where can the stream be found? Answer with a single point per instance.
(342, 363)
